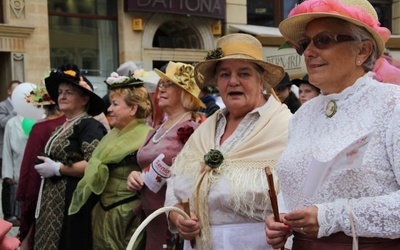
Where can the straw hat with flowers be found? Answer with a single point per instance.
(236, 46)
(358, 12)
(39, 96)
(182, 75)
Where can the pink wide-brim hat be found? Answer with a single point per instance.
(358, 12)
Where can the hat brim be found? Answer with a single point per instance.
(297, 82)
(197, 99)
(204, 71)
(294, 28)
(96, 104)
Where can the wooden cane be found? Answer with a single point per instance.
(186, 208)
(272, 196)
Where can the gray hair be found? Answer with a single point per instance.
(361, 34)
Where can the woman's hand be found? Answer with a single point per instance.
(187, 228)
(276, 232)
(134, 181)
(304, 221)
(48, 168)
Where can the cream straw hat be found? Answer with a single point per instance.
(236, 46)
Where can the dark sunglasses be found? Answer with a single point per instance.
(322, 41)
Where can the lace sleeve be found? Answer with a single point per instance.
(374, 216)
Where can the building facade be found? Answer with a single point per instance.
(98, 35)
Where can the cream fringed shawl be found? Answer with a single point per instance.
(242, 166)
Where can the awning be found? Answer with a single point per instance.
(268, 36)
(256, 30)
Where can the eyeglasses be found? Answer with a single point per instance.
(165, 85)
(322, 41)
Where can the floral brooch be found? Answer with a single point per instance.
(214, 158)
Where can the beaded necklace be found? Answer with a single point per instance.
(156, 141)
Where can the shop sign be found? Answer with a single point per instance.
(287, 58)
(206, 8)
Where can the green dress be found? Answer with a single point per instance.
(114, 219)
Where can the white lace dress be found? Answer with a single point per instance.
(371, 191)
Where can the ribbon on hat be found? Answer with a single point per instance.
(234, 48)
(387, 70)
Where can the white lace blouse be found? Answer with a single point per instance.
(371, 191)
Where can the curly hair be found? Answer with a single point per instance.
(135, 96)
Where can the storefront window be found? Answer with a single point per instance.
(272, 12)
(261, 12)
(384, 10)
(84, 32)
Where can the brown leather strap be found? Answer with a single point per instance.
(340, 241)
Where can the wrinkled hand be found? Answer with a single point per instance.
(276, 232)
(188, 229)
(304, 221)
(48, 168)
(134, 181)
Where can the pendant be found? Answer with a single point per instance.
(331, 108)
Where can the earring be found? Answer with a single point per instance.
(358, 62)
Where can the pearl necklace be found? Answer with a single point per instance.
(156, 141)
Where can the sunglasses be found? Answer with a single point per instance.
(322, 41)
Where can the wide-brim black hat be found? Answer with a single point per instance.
(299, 81)
(285, 82)
(70, 73)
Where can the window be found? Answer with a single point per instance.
(384, 10)
(1, 12)
(272, 12)
(176, 34)
(268, 12)
(84, 32)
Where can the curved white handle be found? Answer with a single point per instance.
(151, 217)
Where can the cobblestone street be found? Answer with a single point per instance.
(14, 230)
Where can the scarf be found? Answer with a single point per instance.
(113, 148)
(242, 166)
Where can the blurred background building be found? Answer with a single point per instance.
(98, 35)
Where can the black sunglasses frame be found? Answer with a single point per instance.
(322, 41)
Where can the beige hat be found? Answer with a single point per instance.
(358, 12)
(150, 79)
(236, 46)
(182, 75)
(127, 68)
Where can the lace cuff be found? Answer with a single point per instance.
(328, 220)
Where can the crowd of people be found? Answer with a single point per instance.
(88, 174)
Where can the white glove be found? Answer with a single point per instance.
(48, 168)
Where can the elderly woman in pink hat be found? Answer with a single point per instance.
(340, 172)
